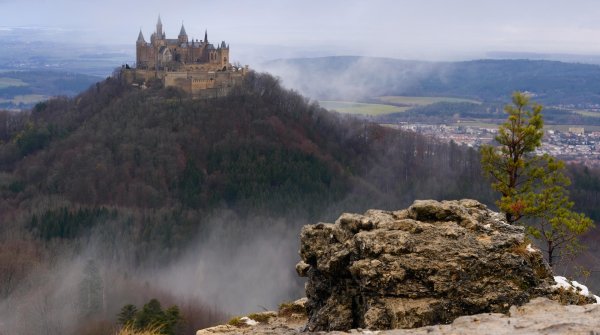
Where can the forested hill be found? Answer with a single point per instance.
(130, 178)
(351, 77)
(264, 149)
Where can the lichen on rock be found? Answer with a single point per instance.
(425, 265)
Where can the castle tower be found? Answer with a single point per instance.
(224, 54)
(141, 39)
(183, 37)
(159, 30)
(140, 50)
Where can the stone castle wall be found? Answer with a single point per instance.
(198, 83)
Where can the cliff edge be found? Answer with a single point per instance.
(430, 265)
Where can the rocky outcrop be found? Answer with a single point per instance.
(539, 316)
(426, 265)
(289, 320)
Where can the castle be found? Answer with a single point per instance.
(196, 66)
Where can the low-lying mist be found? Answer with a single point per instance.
(353, 78)
(240, 266)
(232, 266)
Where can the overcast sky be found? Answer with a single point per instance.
(417, 29)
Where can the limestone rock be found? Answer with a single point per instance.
(540, 316)
(422, 266)
(289, 320)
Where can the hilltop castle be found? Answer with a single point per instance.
(196, 66)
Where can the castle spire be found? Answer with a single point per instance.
(141, 37)
(159, 27)
(183, 37)
(206, 36)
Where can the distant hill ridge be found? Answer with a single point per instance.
(23, 89)
(490, 80)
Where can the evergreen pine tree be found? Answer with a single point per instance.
(533, 187)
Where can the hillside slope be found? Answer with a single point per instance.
(156, 188)
(263, 149)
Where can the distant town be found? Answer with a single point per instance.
(573, 146)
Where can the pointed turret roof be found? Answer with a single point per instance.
(159, 21)
(206, 36)
(141, 37)
(182, 32)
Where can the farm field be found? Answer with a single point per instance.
(587, 113)
(9, 82)
(387, 104)
(351, 107)
(422, 101)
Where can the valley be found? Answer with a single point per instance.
(574, 143)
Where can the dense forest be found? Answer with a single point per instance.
(120, 195)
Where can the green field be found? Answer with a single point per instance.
(387, 104)
(587, 113)
(25, 99)
(422, 101)
(351, 107)
(8, 82)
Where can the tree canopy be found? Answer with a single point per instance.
(532, 186)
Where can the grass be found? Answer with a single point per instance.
(288, 308)
(258, 317)
(261, 317)
(130, 330)
(569, 297)
(8, 82)
(387, 105)
(422, 101)
(237, 322)
(351, 107)
(521, 248)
